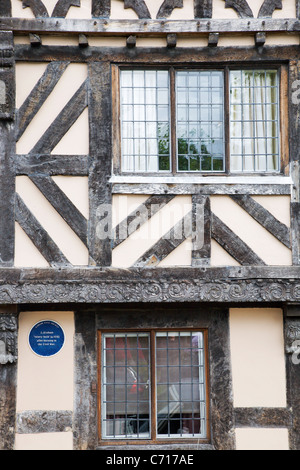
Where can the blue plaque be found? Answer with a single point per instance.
(46, 338)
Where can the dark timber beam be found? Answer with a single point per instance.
(144, 27)
(100, 194)
(7, 151)
(8, 375)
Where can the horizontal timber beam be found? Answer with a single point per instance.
(264, 285)
(146, 27)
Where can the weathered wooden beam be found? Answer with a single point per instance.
(62, 7)
(264, 218)
(263, 417)
(229, 188)
(131, 41)
(167, 8)
(85, 371)
(292, 349)
(100, 196)
(101, 8)
(38, 235)
(168, 243)
(201, 230)
(220, 55)
(295, 232)
(62, 204)
(139, 7)
(213, 39)
(35, 40)
(171, 40)
(8, 375)
(64, 121)
(52, 165)
(5, 8)
(83, 40)
(144, 27)
(260, 39)
(7, 150)
(37, 7)
(38, 95)
(241, 7)
(268, 7)
(140, 216)
(238, 249)
(203, 8)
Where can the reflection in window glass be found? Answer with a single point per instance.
(200, 122)
(125, 386)
(145, 117)
(254, 121)
(180, 376)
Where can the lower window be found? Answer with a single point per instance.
(153, 385)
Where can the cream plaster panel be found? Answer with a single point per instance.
(219, 10)
(149, 233)
(26, 254)
(67, 86)
(19, 12)
(84, 12)
(181, 256)
(21, 39)
(220, 257)
(270, 250)
(236, 40)
(282, 39)
(258, 360)
(107, 41)
(45, 441)
(72, 247)
(59, 40)
(45, 383)
(76, 140)
(265, 439)
(77, 190)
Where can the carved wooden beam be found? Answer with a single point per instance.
(101, 8)
(38, 8)
(268, 7)
(241, 7)
(167, 8)
(203, 8)
(5, 8)
(140, 8)
(62, 7)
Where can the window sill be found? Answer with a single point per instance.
(156, 447)
(202, 179)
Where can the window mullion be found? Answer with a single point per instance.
(173, 122)
(153, 405)
(227, 118)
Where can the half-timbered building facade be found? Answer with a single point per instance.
(150, 210)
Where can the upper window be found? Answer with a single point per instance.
(200, 121)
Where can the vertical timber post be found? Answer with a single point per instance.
(292, 349)
(294, 120)
(100, 194)
(8, 375)
(7, 149)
